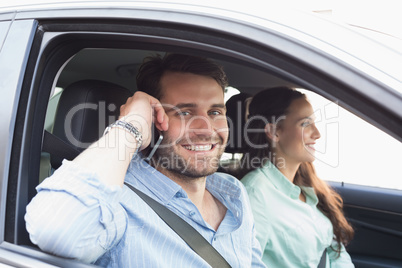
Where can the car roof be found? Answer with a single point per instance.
(381, 59)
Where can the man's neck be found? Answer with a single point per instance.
(211, 209)
(194, 187)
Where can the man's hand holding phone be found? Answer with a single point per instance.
(142, 111)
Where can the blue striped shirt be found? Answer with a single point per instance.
(74, 215)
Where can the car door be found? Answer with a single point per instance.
(40, 43)
(376, 216)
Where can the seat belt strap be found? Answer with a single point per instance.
(323, 261)
(190, 235)
(55, 146)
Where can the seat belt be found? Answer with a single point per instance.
(323, 261)
(56, 146)
(190, 235)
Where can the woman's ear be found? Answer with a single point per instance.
(270, 131)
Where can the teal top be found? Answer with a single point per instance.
(292, 233)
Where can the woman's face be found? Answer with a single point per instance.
(297, 133)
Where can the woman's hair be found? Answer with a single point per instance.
(269, 106)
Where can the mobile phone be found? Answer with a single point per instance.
(148, 158)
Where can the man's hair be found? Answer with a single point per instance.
(153, 68)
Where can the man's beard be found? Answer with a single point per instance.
(166, 157)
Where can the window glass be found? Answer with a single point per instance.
(229, 92)
(51, 108)
(353, 151)
(45, 169)
(3, 31)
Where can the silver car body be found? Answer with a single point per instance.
(369, 67)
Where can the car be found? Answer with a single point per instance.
(48, 46)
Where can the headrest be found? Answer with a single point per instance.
(236, 109)
(84, 110)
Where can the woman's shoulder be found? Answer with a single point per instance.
(255, 178)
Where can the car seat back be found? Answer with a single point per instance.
(84, 110)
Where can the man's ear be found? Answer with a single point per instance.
(271, 132)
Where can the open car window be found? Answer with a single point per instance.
(353, 151)
(359, 159)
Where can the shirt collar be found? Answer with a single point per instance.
(165, 189)
(285, 186)
(158, 184)
(227, 190)
(311, 197)
(216, 184)
(280, 181)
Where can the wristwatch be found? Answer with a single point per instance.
(128, 127)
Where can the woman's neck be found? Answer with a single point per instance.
(289, 170)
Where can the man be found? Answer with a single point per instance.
(85, 212)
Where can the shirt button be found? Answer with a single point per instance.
(192, 213)
(214, 238)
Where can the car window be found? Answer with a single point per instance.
(36, 52)
(51, 108)
(45, 169)
(351, 150)
(3, 31)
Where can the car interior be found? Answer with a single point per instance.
(84, 78)
(85, 88)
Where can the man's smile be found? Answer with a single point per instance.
(199, 147)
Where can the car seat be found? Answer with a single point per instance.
(84, 110)
(236, 110)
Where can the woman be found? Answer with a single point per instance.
(297, 215)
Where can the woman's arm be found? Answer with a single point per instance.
(341, 261)
(259, 209)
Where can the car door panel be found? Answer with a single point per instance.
(376, 215)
